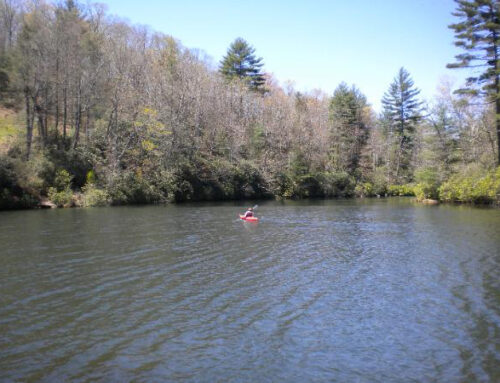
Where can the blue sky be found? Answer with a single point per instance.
(318, 43)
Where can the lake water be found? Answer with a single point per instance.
(322, 291)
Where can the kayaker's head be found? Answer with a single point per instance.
(250, 208)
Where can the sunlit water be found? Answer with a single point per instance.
(335, 291)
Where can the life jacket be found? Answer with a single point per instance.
(249, 213)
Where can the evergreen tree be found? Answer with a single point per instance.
(240, 62)
(478, 33)
(348, 131)
(401, 114)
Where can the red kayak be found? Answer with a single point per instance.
(249, 219)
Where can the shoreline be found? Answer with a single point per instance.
(46, 204)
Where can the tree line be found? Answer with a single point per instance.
(117, 113)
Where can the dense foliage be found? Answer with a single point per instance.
(95, 111)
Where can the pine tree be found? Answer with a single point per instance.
(240, 62)
(401, 114)
(478, 33)
(348, 131)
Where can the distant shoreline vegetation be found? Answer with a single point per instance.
(470, 188)
(95, 111)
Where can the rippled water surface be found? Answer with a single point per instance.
(337, 291)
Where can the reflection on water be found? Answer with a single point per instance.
(366, 291)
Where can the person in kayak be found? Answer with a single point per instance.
(249, 213)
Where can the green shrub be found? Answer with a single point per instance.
(166, 184)
(406, 190)
(282, 185)
(393, 190)
(487, 189)
(217, 179)
(20, 186)
(62, 180)
(379, 181)
(90, 178)
(425, 191)
(314, 185)
(92, 196)
(364, 189)
(16, 199)
(427, 184)
(473, 186)
(337, 184)
(309, 185)
(60, 198)
(427, 175)
(133, 188)
(60, 194)
(30, 176)
(77, 162)
(248, 181)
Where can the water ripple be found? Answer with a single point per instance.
(367, 291)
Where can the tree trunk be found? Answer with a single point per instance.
(87, 124)
(494, 33)
(497, 100)
(56, 123)
(29, 125)
(46, 115)
(498, 123)
(65, 114)
(41, 126)
(78, 116)
(400, 153)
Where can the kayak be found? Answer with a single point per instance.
(249, 219)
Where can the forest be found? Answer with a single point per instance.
(97, 111)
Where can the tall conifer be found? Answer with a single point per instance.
(401, 114)
(348, 131)
(240, 62)
(478, 33)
